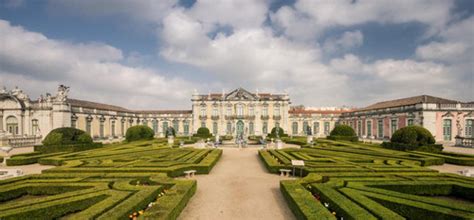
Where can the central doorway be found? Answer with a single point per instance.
(240, 128)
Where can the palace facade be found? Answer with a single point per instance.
(237, 113)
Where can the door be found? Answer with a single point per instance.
(240, 128)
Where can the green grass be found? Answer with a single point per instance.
(111, 182)
(365, 181)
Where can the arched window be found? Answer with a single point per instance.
(305, 127)
(447, 129)
(265, 128)
(186, 127)
(155, 126)
(12, 125)
(214, 128)
(251, 128)
(240, 110)
(294, 128)
(101, 127)
(229, 128)
(112, 128)
(34, 126)
(276, 111)
(176, 125)
(469, 128)
(316, 127)
(165, 127)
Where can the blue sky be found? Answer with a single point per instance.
(153, 54)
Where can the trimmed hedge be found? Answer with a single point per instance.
(66, 136)
(68, 147)
(203, 132)
(343, 138)
(413, 135)
(435, 148)
(343, 130)
(281, 132)
(139, 132)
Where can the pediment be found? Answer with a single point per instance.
(241, 94)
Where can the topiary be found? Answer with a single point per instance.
(343, 130)
(203, 132)
(173, 132)
(281, 132)
(67, 136)
(413, 135)
(139, 132)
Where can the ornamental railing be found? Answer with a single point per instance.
(21, 141)
(464, 141)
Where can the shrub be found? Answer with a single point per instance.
(413, 135)
(62, 136)
(139, 132)
(342, 130)
(203, 132)
(173, 132)
(279, 130)
(343, 138)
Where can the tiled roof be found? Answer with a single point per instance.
(304, 111)
(95, 105)
(408, 101)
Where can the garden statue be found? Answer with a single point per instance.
(169, 133)
(309, 139)
(458, 125)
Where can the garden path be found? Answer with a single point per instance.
(238, 187)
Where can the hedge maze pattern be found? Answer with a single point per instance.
(116, 182)
(359, 181)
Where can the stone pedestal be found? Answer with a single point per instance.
(279, 144)
(309, 139)
(170, 140)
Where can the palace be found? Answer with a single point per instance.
(237, 113)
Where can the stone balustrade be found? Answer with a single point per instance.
(464, 142)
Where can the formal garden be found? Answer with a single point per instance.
(118, 181)
(354, 180)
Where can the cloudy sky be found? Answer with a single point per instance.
(152, 54)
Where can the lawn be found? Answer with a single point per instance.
(362, 181)
(117, 181)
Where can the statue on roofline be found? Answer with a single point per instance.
(62, 93)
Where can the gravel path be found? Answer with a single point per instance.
(238, 187)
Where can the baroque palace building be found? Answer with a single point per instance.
(237, 113)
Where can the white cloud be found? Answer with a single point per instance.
(29, 58)
(347, 41)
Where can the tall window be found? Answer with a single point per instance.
(251, 111)
(101, 128)
(73, 121)
(393, 125)
(265, 128)
(251, 128)
(240, 110)
(410, 122)
(165, 127)
(186, 127)
(369, 128)
(215, 112)
(12, 125)
(447, 129)
(89, 125)
(176, 126)
(229, 128)
(380, 128)
(326, 128)
(316, 128)
(203, 111)
(214, 128)
(294, 128)
(203, 124)
(229, 111)
(277, 124)
(265, 111)
(276, 111)
(155, 126)
(305, 127)
(359, 128)
(112, 128)
(469, 128)
(34, 126)
(122, 127)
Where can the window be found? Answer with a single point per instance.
(380, 128)
(316, 127)
(276, 111)
(447, 129)
(294, 128)
(155, 126)
(410, 122)
(165, 127)
(34, 126)
(203, 111)
(359, 128)
(101, 128)
(469, 128)
(122, 127)
(12, 125)
(214, 128)
(393, 125)
(369, 128)
(251, 128)
(203, 124)
(265, 111)
(305, 127)
(229, 111)
(73, 122)
(251, 111)
(277, 124)
(186, 127)
(326, 128)
(240, 110)
(89, 125)
(112, 128)
(176, 126)
(265, 128)
(229, 128)
(215, 112)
